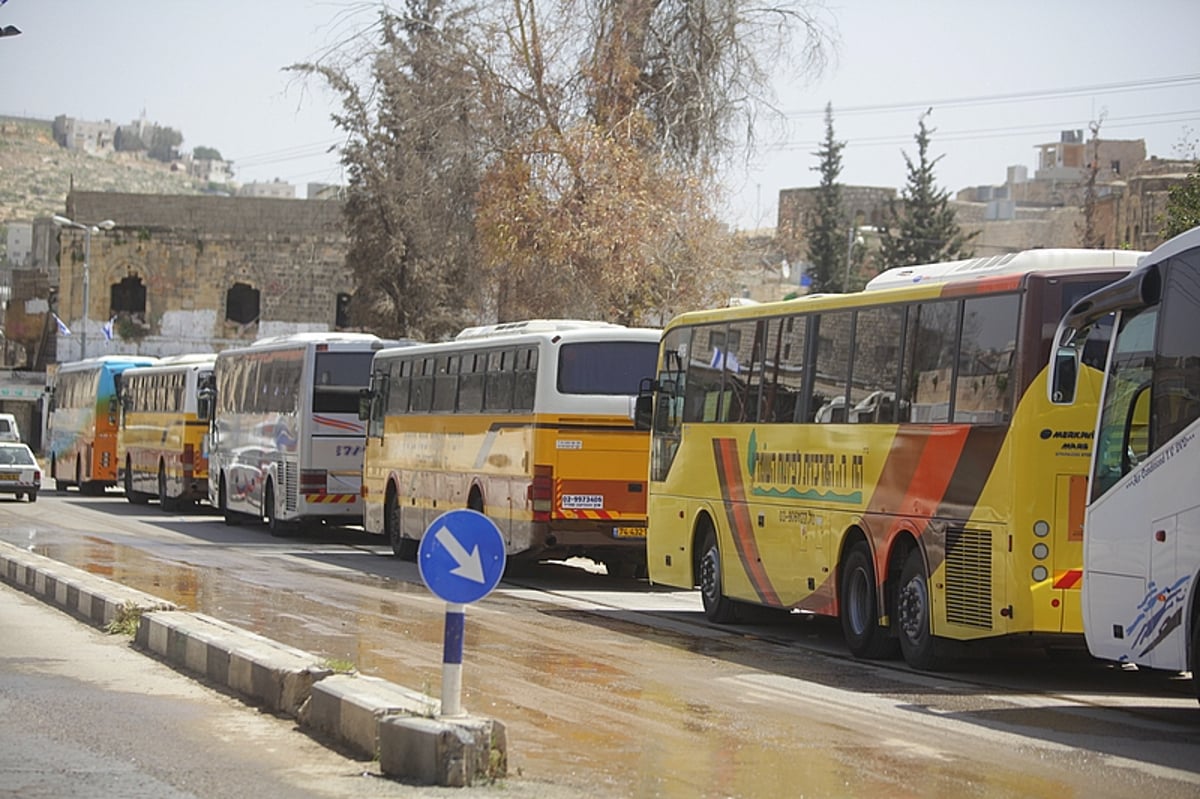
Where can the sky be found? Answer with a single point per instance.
(1000, 78)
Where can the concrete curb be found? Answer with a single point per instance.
(270, 674)
(369, 716)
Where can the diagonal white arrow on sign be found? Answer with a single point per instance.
(469, 566)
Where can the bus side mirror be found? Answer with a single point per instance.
(365, 396)
(643, 411)
(204, 404)
(1064, 375)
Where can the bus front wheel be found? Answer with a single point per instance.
(859, 611)
(132, 496)
(913, 615)
(232, 519)
(277, 526)
(718, 608)
(1195, 664)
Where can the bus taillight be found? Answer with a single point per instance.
(541, 493)
(312, 481)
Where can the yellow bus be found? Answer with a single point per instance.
(82, 425)
(164, 420)
(528, 422)
(888, 457)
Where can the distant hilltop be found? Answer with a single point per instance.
(41, 160)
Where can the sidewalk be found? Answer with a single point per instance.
(84, 714)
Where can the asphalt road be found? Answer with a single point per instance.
(614, 688)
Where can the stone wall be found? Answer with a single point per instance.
(187, 253)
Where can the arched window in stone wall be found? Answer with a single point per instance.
(241, 304)
(128, 298)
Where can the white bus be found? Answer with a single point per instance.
(285, 442)
(1141, 555)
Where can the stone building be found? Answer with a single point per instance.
(180, 274)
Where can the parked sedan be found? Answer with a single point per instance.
(19, 471)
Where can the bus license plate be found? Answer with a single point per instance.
(629, 532)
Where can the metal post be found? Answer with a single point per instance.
(87, 285)
(452, 657)
(849, 253)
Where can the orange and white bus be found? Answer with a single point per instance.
(888, 457)
(528, 422)
(83, 418)
(164, 423)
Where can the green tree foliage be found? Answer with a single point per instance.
(164, 144)
(921, 228)
(1183, 205)
(536, 158)
(207, 154)
(827, 223)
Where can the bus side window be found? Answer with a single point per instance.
(703, 400)
(501, 377)
(832, 375)
(878, 339)
(470, 382)
(935, 329)
(525, 387)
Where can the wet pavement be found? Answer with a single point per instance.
(612, 688)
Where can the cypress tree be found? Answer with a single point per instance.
(826, 225)
(921, 227)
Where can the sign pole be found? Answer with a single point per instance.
(461, 558)
(452, 657)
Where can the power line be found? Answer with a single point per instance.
(979, 134)
(993, 99)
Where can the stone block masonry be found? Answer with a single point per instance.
(186, 253)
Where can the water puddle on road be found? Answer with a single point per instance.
(595, 702)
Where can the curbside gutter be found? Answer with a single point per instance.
(368, 716)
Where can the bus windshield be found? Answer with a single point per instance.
(605, 367)
(337, 378)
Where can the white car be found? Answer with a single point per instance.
(19, 471)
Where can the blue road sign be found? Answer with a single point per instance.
(461, 556)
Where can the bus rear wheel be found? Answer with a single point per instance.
(133, 497)
(165, 501)
(913, 616)
(859, 607)
(403, 548)
(718, 608)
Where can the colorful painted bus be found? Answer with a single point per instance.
(83, 420)
(164, 424)
(528, 422)
(1141, 551)
(285, 441)
(887, 457)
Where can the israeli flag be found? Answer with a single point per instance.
(108, 328)
(63, 330)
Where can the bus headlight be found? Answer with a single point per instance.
(1041, 528)
(1040, 573)
(1040, 551)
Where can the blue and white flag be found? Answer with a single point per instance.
(108, 328)
(63, 330)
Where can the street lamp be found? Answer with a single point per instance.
(88, 230)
